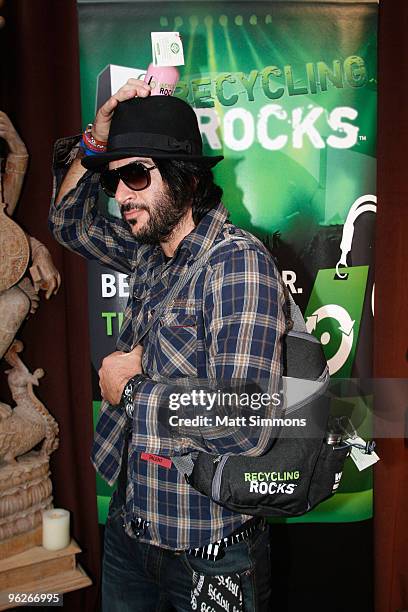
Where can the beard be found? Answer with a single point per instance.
(164, 217)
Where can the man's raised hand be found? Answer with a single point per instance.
(133, 88)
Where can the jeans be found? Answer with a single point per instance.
(139, 577)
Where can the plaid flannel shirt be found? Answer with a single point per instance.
(225, 325)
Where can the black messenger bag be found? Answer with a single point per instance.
(301, 469)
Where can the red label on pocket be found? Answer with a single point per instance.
(163, 461)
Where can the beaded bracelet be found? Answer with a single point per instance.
(87, 150)
(90, 145)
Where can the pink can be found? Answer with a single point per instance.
(162, 79)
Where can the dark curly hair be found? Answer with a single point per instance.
(190, 180)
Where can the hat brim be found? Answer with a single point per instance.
(98, 162)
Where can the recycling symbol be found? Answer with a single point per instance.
(346, 325)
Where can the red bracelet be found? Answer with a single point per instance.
(91, 142)
(95, 148)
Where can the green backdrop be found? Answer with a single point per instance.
(287, 91)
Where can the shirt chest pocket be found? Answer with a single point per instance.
(176, 348)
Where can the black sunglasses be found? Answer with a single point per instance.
(135, 175)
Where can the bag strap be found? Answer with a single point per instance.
(181, 283)
(295, 315)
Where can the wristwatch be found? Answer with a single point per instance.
(132, 385)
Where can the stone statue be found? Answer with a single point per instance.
(28, 433)
(18, 292)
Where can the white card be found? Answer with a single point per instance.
(360, 458)
(167, 49)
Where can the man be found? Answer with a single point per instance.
(225, 325)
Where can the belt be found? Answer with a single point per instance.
(215, 551)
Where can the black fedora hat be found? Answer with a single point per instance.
(156, 126)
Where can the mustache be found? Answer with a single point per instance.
(128, 207)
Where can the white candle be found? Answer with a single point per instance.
(55, 533)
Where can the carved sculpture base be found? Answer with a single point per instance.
(25, 491)
(40, 571)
